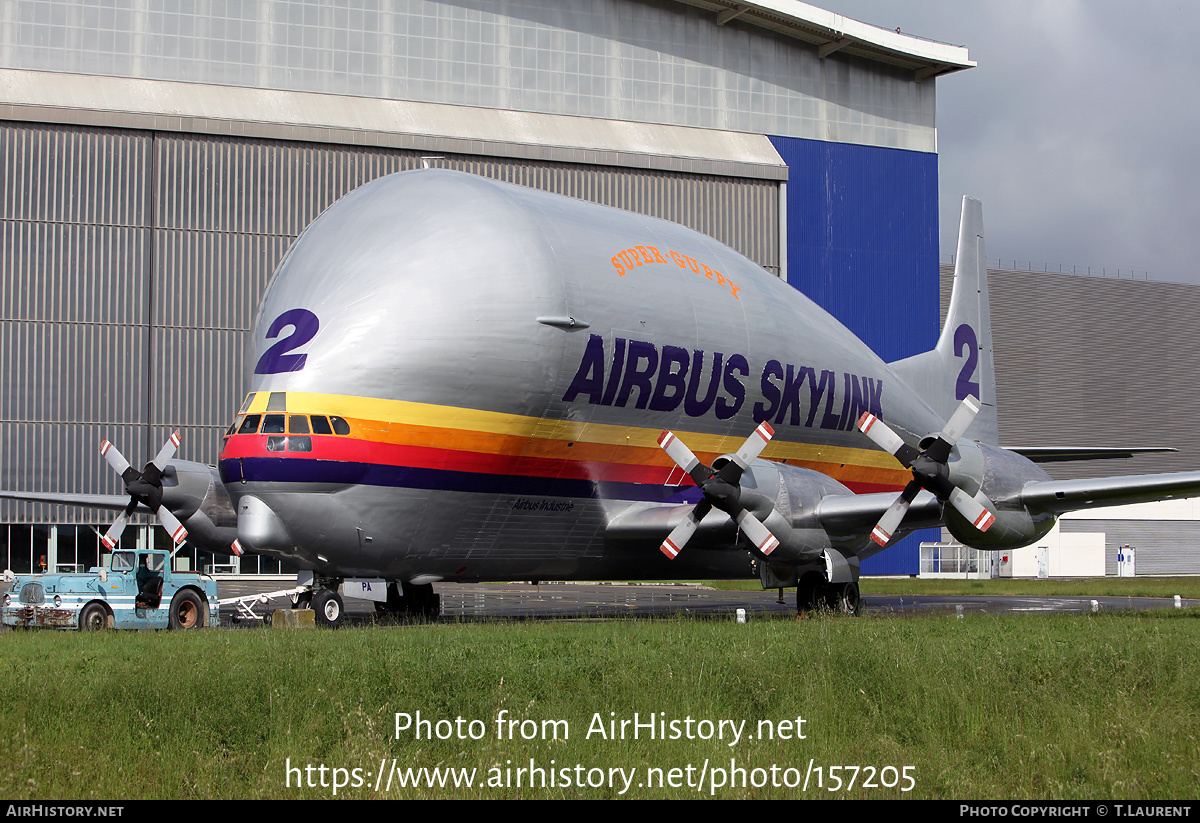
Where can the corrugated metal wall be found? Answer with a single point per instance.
(131, 264)
(862, 231)
(1161, 547)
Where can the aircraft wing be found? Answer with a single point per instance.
(1059, 454)
(653, 523)
(1059, 496)
(842, 516)
(856, 514)
(112, 502)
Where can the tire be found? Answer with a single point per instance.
(810, 594)
(93, 618)
(330, 611)
(302, 600)
(395, 603)
(421, 601)
(846, 599)
(187, 611)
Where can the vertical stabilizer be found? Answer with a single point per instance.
(961, 365)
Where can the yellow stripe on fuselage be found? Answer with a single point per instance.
(402, 421)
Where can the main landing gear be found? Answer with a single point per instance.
(406, 600)
(815, 595)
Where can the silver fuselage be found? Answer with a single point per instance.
(503, 361)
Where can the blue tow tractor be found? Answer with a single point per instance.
(138, 591)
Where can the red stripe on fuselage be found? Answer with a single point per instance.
(352, 450)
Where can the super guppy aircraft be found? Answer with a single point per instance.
(456, 379)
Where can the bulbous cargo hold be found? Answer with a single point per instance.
(476, 337)
(428, 286)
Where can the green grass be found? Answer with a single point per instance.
(1077, 587)
(1103, 706)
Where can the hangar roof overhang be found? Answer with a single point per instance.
(831, 33)
(163, 105)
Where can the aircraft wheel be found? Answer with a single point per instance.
(329, 608)
(810, 595)
(187, 611)
(422, 601)
(302, 600)
(846, 599)
(395, 603)
(93, 618)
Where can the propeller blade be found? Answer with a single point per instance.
(171, 523)
(682, 533)
(887, 525)
(759, 534)
(755, 443)
(939, 450)
(167, 451)
(883, 437)
(961, 419)
(119, 464)
(683, 457)
(112, 537)
(977, 509)
(236, 549)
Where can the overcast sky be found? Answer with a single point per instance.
(1079, 129)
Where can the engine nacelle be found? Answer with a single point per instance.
(1001, 475)
(195, 494)
(792, 495)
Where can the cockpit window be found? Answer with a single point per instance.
(320, 424)
(273, 424)
(298, 424)
(250, 424)
(340, 426)
(246, 403)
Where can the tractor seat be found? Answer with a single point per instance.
(150, 595)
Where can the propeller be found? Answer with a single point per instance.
(145, 488)
(721, 490)
(930, 469)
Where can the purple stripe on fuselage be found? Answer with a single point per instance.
(331, 472)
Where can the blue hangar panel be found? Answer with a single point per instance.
(862, 236)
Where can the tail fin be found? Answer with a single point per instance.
(961, 364)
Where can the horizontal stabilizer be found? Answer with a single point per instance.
(1062, 454)
(1059, 496)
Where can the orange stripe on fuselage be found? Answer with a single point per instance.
(507, 444)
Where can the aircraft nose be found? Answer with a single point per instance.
(258, 526)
